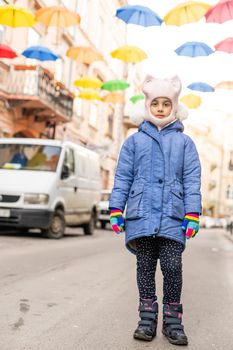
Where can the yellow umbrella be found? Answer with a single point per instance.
(129, 54)
(57, 16)
(89, 94)
(186, 12)
(226, 85)
(88, 82)
(84, 54)
(13, 16)
(114, 97)
(191, 100)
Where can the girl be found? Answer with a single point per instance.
(158, 176)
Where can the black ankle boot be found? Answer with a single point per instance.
(148, 312)
(172, 324)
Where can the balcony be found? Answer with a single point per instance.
(35, 90)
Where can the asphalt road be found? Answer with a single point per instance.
(80, 293)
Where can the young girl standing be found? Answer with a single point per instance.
(158, 177)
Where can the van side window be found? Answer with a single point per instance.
(69, 159)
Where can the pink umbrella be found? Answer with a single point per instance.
(225, 45)
(221, 12)
(6, 52)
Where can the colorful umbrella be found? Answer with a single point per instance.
(187, 12)
(199, 86)
(40, 53)
(191, 101)
(136, 98)
(114, 85)
(13, 16)
(57, 16)
(84, 54)
(221, 12)
(89, 94)
(225, 45)
(88, 82)
(226, 85)
(194, 49)
(114, 97)
(129, 54)
(7, 52)
(139, 15)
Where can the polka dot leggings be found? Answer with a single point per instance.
(149, 250)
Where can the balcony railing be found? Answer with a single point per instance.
(30, 82)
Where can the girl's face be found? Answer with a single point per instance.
(161, 107)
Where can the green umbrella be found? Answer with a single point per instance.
(114, 85)
(136, 98)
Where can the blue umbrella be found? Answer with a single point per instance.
(140, 15)
(40, 53)
(199, 86)
(194, 49)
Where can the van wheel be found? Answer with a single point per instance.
(103, 224)
(90, 226)
(57, 227)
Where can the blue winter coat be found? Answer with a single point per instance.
(158, 177)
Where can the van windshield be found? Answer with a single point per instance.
(29, 157)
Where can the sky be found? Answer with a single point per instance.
(159, 42)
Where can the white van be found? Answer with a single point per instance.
(48, 184)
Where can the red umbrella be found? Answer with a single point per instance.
(225, 45)
(6, 52)
(221, 12)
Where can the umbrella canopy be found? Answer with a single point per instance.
(191, 101)
(40, 53)
(88, 82)
(89, 94)
(6, 52)
(226, 85)
(136, 98)
(57, 16)
(14, 16)
(114, 97)
(114, 85)
(221, 12)
(84, 54)
(187, 12)
(199, 86)
(129, 54)
(194, 49)
(139, 15)
(225, 45)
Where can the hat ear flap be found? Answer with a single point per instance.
(146, 85)
(176, 83)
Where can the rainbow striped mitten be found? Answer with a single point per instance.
(190, 224)
(116, 220)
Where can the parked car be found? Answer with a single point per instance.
(103, 211)
(48, 184)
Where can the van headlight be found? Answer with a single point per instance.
(36, 198)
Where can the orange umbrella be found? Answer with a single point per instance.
(84, 54)
(226, 85)
(114, 97)
(57, 16)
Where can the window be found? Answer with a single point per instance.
(69, 159)
(33, 37)
(93, 115)
(1, 33)
(110, 125)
